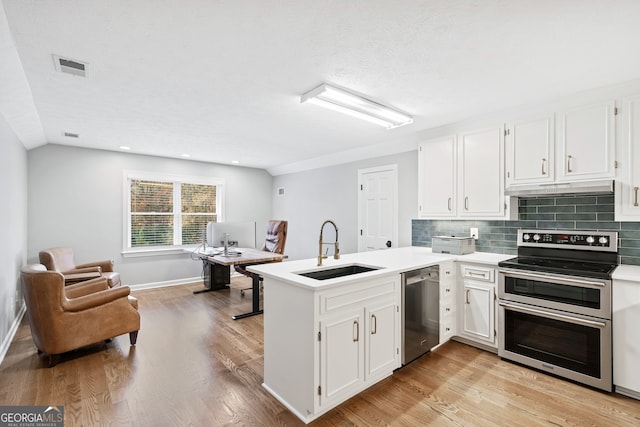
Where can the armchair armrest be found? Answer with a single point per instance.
(84, 269)
(105, 265)
(95, 299)
(87, 287)
(80, 277)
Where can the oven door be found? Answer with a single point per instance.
(572, 346)
(591, 297)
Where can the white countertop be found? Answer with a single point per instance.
(390, 261)
(627, 272)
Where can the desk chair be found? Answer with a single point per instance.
(274, 242)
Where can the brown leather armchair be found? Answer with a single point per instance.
(274, 242)
(61, 260)
(65, 318)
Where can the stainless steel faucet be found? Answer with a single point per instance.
(336, 251)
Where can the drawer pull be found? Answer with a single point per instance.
(356, 329)
(543, 164)
(374, 324)
(466, 296)
(635, 196)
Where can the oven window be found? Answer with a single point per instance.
(574, 295)
(564, 344)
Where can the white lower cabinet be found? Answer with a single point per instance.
(447, 301)
(356, 348)
(324, 346)
(477, 304)
(626, 346)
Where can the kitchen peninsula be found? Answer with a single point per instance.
(327, 340)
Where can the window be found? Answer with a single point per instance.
(169, 211)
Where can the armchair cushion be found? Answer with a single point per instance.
(66, 318)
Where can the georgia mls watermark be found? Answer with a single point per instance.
(31, 416)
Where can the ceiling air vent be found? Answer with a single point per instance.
(70, 66)
(70, 134)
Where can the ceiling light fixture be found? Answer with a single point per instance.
(341, 100)
(186, 155)
(124, 147)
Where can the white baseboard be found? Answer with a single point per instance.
(12, 332)
(176, 282)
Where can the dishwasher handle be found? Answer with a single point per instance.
(427, 275)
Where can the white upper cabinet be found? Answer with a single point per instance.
(437, 177)
(628, 184)
(529, 150)
(481, 172)
(586, 142)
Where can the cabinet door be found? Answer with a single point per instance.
(481, 163)
(478, 314)
(628, 186)
(382, 349)
(626, 346)
(586, 142)
(437, 177)
(529, 150)
(341, 355)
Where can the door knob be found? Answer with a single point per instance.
(388, 243)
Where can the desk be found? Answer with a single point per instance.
(220, 269)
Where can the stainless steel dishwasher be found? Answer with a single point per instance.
(420, 312)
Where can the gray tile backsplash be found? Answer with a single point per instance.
(571, 212)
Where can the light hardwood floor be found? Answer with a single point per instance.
(193, 365)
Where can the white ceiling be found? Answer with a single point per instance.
(221, 80)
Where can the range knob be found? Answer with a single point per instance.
(536, 237)
(526, 237)
(590, 240)
(603, 240)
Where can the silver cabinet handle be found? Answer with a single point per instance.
(466, 203)
(635, 196)
(569, 164)
(543, 164)
(449, 204)
(374, 324)
(466, 296)
(356, 329)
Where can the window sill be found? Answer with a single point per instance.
(136, 253)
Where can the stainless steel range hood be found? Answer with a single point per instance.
(606, 186)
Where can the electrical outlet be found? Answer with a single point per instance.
(474, 233)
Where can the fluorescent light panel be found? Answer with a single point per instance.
(354, 105)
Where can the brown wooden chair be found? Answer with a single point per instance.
(61, 260)
(65, 318)
(274, 242)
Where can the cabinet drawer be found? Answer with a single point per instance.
(483, 274)
(447, 290)
(447, 311)
(447, 330)
(357, 294)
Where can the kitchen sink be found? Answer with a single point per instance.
(333, 272)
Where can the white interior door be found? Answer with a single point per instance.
(377, 208)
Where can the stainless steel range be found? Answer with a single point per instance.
(555, 304)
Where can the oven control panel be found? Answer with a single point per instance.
(586, 240)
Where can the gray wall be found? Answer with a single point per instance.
(13, 228)
(76, 199)
(332, 193)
